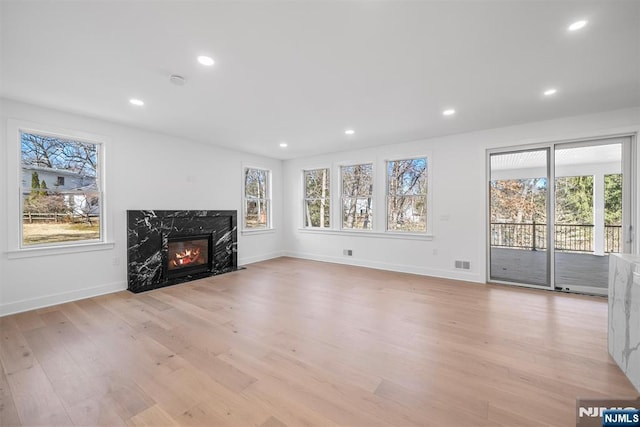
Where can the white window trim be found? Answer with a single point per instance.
(331, 198)
(369, 233)
(429, 212)
(15, 248)
(269, 228)
(374, 197)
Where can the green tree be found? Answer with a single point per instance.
(35, 185)
(574, 199)
(613, 199)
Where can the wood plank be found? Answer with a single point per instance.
(36, 401)
(15, 353)
(99, 411)
(28, 321)
(68, 380)
(273, 422)
(296, 342)
(8, 411)
(152, 417)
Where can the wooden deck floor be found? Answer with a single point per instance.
(572, 269)
(294, 342)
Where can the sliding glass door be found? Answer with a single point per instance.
(590, 216)
(557, 212)
(519, 208)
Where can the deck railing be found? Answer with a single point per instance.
(568, 237)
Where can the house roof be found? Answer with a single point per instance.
(56, 171)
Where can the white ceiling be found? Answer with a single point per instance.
(609, 152)
(303, 72)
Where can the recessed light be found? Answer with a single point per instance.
(349, 132)
(283, 145)
(550, 92)
(137, 102)
(205, 60)
(577, 25)
(449, 112)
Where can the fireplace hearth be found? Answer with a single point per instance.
(170, 247)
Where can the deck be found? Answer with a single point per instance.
(572, 269)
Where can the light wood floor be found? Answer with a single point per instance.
(293, 342)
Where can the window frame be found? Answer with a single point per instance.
(341, 198)
(15, 245)
(328, 198)
(428, 210)
(269, 199)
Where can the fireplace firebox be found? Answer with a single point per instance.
(187, 255)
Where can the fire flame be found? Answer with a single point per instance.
(186, 257)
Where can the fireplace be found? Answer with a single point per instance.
(169, 247)
(186, 255)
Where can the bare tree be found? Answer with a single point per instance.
(59, 153)
(357, 186)
(407, 191)
(317, 197)
(518, 200)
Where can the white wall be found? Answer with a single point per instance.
(458, 165)
(144, 170)
(151, 171)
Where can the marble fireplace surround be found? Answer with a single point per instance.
(148, 233)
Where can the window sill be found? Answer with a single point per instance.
(258, 231)
(363, 233)
(59, 250)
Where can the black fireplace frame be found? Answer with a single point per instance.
(148, 232)
(188, 271)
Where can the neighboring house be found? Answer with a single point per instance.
(58, 179)
(76, 188)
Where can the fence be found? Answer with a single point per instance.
(41, 217)
(568, 237)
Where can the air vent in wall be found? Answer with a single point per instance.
(463, 265)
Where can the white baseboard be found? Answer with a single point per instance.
(258, 258)
(63, 297)
(60, 298)
(423, 271)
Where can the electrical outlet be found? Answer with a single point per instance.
(347, 252)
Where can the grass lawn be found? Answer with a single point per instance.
(36, 234)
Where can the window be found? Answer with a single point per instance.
(257, 199)
(357, 195)
(407, 195)
(317, 198)
(61, 198)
